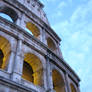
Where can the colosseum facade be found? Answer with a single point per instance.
(30, 55)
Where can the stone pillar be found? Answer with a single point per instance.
(67, 85)
(49, 76)
(59, 51)
(18, 21)
(44, 36)
(22, 22)
(11, 62)
(44, 78)
(12, 56)
(41, 34)
(78, 89)
(18, 64)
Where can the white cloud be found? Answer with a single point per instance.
(81, 12)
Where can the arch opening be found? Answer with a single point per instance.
(32, 29)
(58, 82)
(32, 69)
(6, 17)
(8, 13)
(72, 88)
(4, 52)
(27, 72)
(1, 58)
(51, 44)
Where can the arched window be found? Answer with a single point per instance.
(51, 44)
(72, 88)
(32, 69)
(32, 29)
(7, 12)
(58, 82)
(4, 52)
(6, 17)
(27, 72)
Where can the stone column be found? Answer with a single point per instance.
(67, 85)
(22, 21)
(18, 64)
(12, 56)
(49, 76)
(18, 21)
(44, 78)
(41, 33)
(11, 62)
(78, 89)
(44, 36)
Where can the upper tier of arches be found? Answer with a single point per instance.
(29, 25)
(10, 12)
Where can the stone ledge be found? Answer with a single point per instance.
(15, 85)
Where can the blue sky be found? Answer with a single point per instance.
(72, 21)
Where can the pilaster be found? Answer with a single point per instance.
(49, 76)
(67, 85)
(11, 62)
(18, 63)
(44, 36)
(18, 22)
(78, 89)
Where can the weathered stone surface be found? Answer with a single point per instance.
(30, 38)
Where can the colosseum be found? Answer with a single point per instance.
(30, 55)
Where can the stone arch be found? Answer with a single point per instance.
(33, 29)
(58, 81)
(10, 12)
(51, 44)
(73, 89)
(34, 66)
(5, 49)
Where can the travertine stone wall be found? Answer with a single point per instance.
(50, 72)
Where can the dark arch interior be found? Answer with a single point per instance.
(72, 88)
(32, 69)
(1, 58)
(28, 72)
(51, 44)
(3, 15)
(33, 29)
(10, 12)
(5, 49)
(58, 82)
